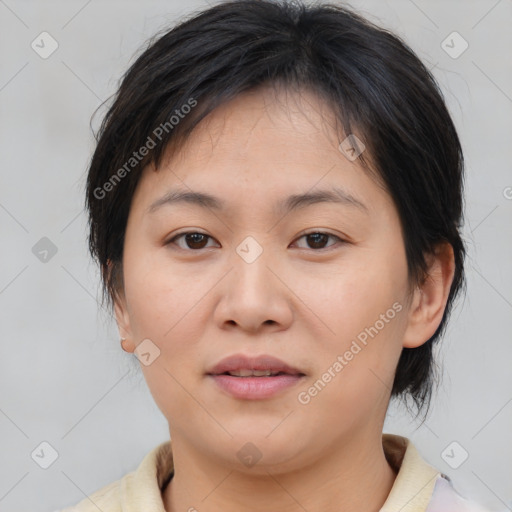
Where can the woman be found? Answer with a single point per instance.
(275, 201)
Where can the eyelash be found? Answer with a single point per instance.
(180, 235)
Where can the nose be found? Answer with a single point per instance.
(254, 295)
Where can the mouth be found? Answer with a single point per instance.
(246, 373)
(253, 378)
(240, 365)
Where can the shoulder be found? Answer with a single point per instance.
(420, 487)
(446, 499)
(136, 491)
(106, 499)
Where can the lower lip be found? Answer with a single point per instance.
(254, 388)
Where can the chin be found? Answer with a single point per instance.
(253, 447)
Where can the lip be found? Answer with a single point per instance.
(254, 388)
(261, 362)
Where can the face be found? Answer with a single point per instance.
(320, 285)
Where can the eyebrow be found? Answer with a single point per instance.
(294, 202)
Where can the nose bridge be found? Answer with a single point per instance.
(253, 295)
(250, 261)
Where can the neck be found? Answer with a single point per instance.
(353, 477)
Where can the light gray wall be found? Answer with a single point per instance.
(63, 377)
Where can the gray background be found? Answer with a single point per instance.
(63, 376)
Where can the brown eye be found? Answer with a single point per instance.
(196, 241)
(193, 240)
(317, 240)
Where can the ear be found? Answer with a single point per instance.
(123, 318)
(123, 323)
(429, 298)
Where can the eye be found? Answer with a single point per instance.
(196, 241)
(318, 239)
(193, 240)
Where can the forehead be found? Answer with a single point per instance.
(259, 147)
(269, 117)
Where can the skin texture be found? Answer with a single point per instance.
(303, 300)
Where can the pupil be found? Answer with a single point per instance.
(194, 238)
(317, 236)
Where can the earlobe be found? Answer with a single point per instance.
(114, 276)
(430, 297)
(123, 324)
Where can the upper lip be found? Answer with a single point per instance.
(262, 362)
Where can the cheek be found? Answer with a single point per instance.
(157, 294)
(365, 311)
(164, 308)
(167, 305)
(356, 294)
(356, 370)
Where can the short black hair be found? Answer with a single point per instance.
(375, 84)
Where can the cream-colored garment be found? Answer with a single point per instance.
(141, 490)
